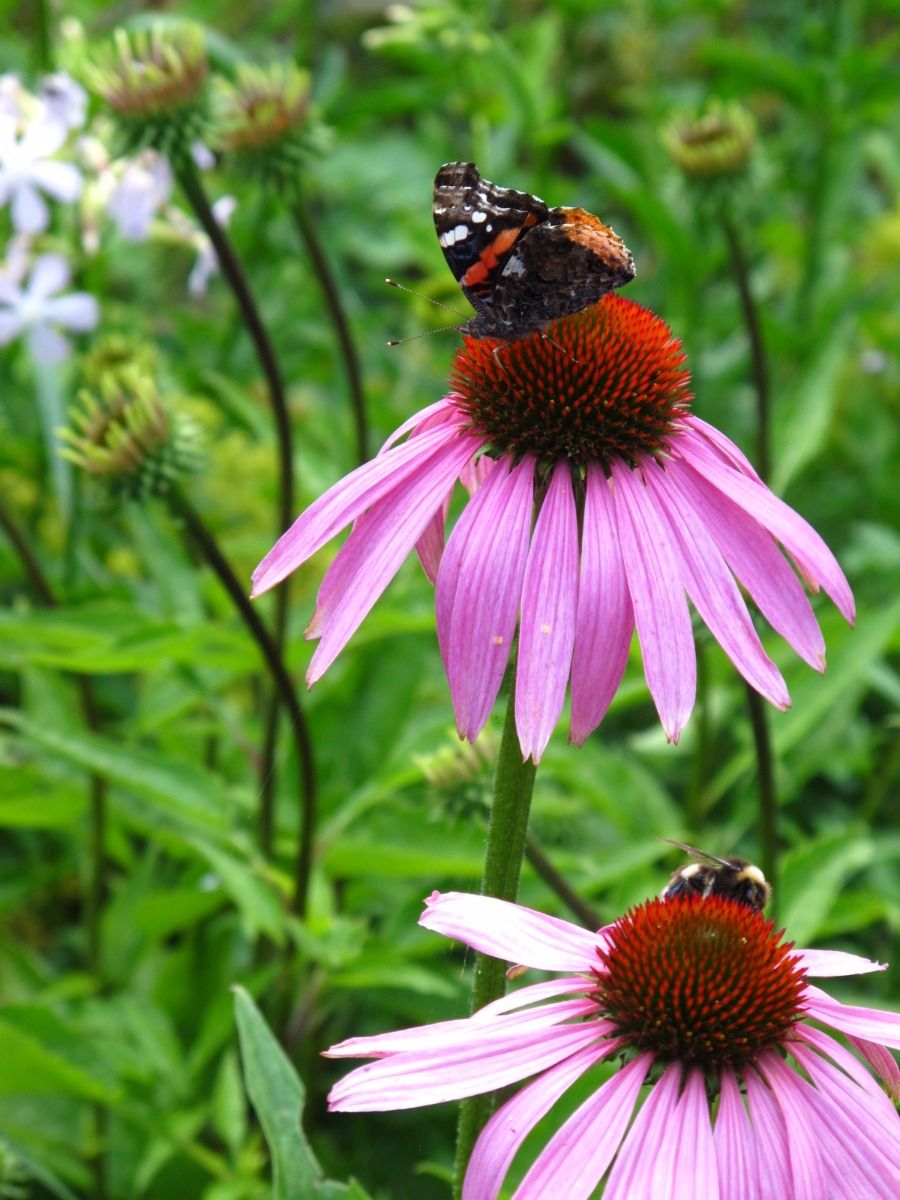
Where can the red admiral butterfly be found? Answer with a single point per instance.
(519, 263)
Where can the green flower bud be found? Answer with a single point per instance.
(262, 120)
(714, 144)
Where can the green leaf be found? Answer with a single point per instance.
(277, 1095)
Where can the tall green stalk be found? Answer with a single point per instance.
(507, 833)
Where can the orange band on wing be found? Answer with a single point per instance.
(489, 256)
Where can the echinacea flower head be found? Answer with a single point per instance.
(127, 436)
(261, 118)
(37, 312)
(154, 81)
(716, 143)
(640, 505)
(715, 1082)
(28, 172)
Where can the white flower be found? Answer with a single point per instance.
(65, 101)
(36, 310)
(26, 171)
(143, 187)
(207, 262)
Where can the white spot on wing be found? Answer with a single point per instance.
(478, 217)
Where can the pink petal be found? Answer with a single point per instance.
(481, 1064)
(754, 557)
(447, 1035)
(512, 932)
(804, 1154)
(726, 447)
(711, 586)
(374, 552)
(430, 545)
(735, 1143)
(430, 417)
(770, 1131)
(822, 964)
(547, 625)
(576, 1157)
(604, 620)
(695, 1174)
(479, 586)
(867, 1107)
(840, 1055)
(882, 1063)
(643, 1168)
(533, 994)
(660, 606)
(815, 560)
(477, 472)
(347, 500)
(868, 1023)
(507, 1129)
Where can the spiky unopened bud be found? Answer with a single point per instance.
(124, 434)
(262, 119)
(154, 80)
(716, 143)
(119, 357)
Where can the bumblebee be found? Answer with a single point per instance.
(732, 878)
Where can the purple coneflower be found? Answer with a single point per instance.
(640, 506)
(701, 1005)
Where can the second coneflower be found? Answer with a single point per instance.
(599, 504)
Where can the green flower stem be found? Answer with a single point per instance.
(759, 718)
(96, 888)
(287, 693)
(507, 833)
(233, 272)
(314, 248)
(759, 365)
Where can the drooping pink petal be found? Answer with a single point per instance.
(642, 1170)
(509, 1126)
(695, 1174)
(735, 1143)
(512, 932)
(754, 557)
(604, 620)
(375, 550)
(771, 1140)
(711, 586)
(822, 964)
(448, 1035)
(576, 1157)
(660, 605)
(547, 624)
(861, 1151)
(725, 446)
(827, 1045)
(482, 1064)
(430, 417)
(882, 1063)
(345, 501)
(868, 1023)
(479, 586)
(806, 547)
(430, 545)
(477, 472)
(534, 993)
(866, 1107)
(804, 1154)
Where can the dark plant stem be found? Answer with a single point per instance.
(558, 883)
(759, 365)
(287, 693)
(96, 885)
(233, 272)
(507, 833)
(43, 37)
(759, 719)
(307, 229)
(765, 788)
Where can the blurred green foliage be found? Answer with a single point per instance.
(124, 1077)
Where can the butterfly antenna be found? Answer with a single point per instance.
(415, 337)
(422, 296)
